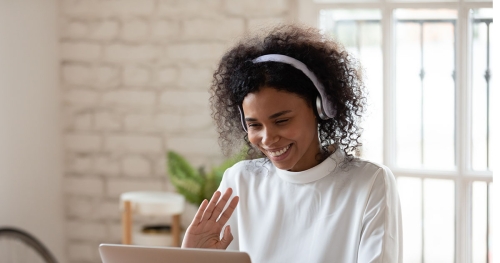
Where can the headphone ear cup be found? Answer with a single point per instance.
(319, 108)
(243, 124)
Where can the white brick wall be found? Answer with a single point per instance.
(106, 76)
(132, 52)
(195, 78)
(186, 99)
(97, 8)
(80, 51)
(136, 166)
(127, 7)
(213, 29)
(257, 8)
(84, 186)
(133, 144)
(167, 75)
(81, 97)
(74, 29)
(105, 29)
(79, 164)
(135, 76)
(92, 208)
(195, 53)
(107, 121)
(76, 74)
(82, 121)
(129, 98)
(117, 186)
(80, 230)
(186, 9)
(164, 30)
(193, 146)
(86, 75)
(107, 165)
(135, 30)
(83, 142)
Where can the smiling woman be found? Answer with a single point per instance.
(296, 98)
(283, 126)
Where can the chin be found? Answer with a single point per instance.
(283, 165)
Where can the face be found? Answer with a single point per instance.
(283, 126)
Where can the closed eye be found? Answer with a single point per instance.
(282, 121)
(253, 124)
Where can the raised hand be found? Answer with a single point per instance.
(204, 231)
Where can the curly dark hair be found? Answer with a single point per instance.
(339, 72)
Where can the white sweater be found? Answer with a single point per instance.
(329, 213)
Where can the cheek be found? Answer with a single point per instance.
(301, 132)
(253, 138)
(293, 134)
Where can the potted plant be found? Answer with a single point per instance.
(196, 184)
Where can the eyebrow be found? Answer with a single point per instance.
(273, 116)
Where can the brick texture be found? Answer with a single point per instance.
(135, 76)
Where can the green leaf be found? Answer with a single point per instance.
(194, 184)
(185, 178)
(189, 189)
(215, 176)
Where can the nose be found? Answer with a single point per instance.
(269, 137)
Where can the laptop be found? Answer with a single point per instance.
(140, 254)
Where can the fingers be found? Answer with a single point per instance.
(226, 238)
(211, 205)
(199, 213)
(229, 211)
(221, 204)
(215, 208)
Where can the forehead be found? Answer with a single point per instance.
(271, 100)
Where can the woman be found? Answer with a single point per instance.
(296, 98)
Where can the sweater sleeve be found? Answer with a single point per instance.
(381, 235)
(233, 221)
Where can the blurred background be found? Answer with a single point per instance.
(93, 93)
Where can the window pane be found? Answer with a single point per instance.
(428, 209)
(490, 222)
(410, 194)
(479, 222)
(439, 221)
(360, 32)
(344, 1)
(494, 107)
(425, 88)
(424, 1)
(482, 81)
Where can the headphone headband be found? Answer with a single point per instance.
(329, 110)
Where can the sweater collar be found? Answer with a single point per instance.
(315, 173)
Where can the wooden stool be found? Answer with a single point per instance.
(151, 203)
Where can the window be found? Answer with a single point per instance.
(429, 74)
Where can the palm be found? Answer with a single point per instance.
(204, 231)
(204, 235)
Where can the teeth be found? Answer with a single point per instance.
(278, 153)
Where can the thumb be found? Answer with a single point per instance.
(226, 238)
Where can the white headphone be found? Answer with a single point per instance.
(325, 109)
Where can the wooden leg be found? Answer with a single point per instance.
(176, 230)
(127, 223)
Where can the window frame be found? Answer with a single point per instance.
(307, 11)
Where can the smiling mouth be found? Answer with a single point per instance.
(280, 152)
